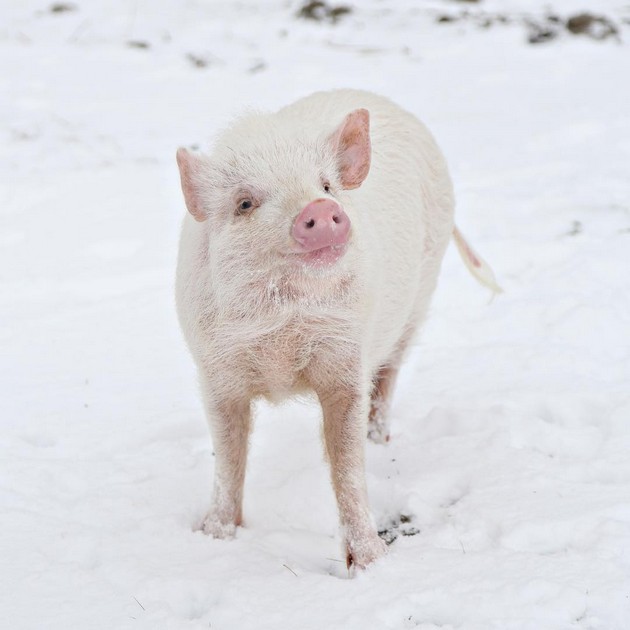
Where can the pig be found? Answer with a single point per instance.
(308, 257)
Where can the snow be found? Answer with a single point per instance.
(511, 422)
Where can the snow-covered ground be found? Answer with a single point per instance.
(510, 455)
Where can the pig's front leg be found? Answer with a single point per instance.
(230, 422)
(345, 413)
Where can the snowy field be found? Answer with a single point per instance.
(509, 465)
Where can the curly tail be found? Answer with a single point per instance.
(477, 266)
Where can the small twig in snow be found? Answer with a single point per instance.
(132, 20)
(78, 31)
(290, 569)
(139, 604)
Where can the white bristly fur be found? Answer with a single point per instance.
(260, 324)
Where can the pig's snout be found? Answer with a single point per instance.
(322, 223)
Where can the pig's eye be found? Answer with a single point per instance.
(245, 206)
(326, 187)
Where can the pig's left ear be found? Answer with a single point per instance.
(352, 144)
(193, 173)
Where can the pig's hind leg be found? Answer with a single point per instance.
(382, 391)
(378, 421)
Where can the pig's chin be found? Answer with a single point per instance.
(322, 259)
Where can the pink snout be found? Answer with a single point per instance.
(322, 223)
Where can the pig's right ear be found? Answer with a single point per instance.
(352, 144)
(193, 173)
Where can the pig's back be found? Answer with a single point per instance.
(405, 212)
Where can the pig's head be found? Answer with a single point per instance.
(273, 201)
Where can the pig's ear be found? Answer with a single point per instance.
(193, 173)
(352, 144)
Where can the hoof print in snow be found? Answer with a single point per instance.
(400, 526)
(320, 11)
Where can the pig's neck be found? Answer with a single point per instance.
(276, 302)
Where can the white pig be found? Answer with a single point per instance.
(307, 262)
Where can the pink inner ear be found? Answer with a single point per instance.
(352, 142)
(190, 172)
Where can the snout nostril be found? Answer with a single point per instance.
(321, 224)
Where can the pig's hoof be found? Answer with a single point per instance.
(213, 526)
(361, 553)
(378, 422)
(378, 432)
